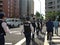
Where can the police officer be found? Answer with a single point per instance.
(27, 30)
(49, 28)
(3, 29)
(38, 27)
(34, 26)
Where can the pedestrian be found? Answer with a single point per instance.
(49, 28)
(34, 26)
(27, 30)
(3, 29)
(41, 24)
(38, 27)
(56, 24)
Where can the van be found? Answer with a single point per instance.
(13, 22)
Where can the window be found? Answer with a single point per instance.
(50, 3)
(50, 7)
(1, 1)
(1, 6)
(58, 1)
(58, 6)
(1, 10)
(53, 7)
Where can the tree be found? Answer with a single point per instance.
(37, 14)
(51, 15)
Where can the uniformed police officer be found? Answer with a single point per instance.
(27, 30)
(38, 27)
(34, 26)
(3, 29)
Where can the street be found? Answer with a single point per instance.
(55, 39)
(15, 38)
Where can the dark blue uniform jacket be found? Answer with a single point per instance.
(49, 26)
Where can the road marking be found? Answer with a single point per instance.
(56, 40)
(21, 41)
(55, 37)
(15, 32)
(8, 43)
(46, 42)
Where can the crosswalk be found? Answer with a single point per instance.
(55, 40)
(8, 43)
(16, 32)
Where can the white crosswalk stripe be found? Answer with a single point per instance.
(56, 38)
(46, 42)
(16, 32)
(8, 43)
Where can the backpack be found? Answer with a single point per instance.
(33, 24)
(2, 32)
(27, 28)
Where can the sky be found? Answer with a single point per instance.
(39, 5)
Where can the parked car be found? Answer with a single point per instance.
(13, 22)
(17, 22)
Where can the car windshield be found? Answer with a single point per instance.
(8, 20)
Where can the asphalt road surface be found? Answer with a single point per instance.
(16, 38)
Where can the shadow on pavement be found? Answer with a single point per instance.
(42, 33)
(41, 37)
(34, 43)
(52, 43)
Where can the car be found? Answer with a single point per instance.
(9, 22)
(13, 22)
(17, 22)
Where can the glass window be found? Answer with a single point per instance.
(1, 10)
(1, 5)
(58, 1)
(58, 6)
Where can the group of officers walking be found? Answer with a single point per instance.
(37, 26)
(30, 27)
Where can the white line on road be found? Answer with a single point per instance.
(21, 41)
(8, 43)
(14, 31)
(46, 42)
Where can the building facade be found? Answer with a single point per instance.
(17, 8)
(13, 8)
(52, 5)
(10, 8)
(32, 8)
(1, 5)
(23, 8)
(26, 8)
